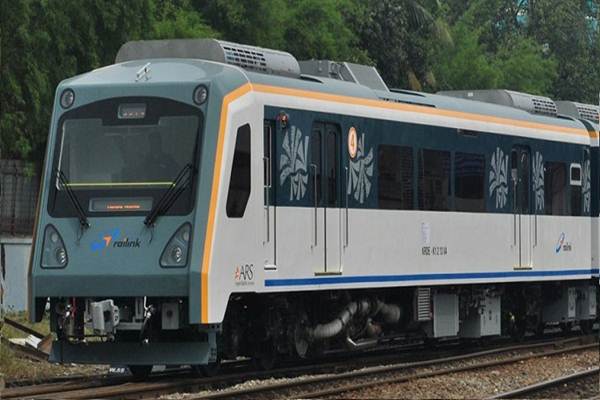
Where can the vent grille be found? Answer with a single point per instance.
(245, 58)
(423, 304)
(589, 113)
(532, 104)
(544, 106)
(391, 100)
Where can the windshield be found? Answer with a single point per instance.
(121, 155)
(97, 155)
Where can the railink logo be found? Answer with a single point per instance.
(562, 244)
(561, 240)
(105, 240)
(127, 243)
(111, 239)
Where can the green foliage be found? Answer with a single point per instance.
(510, 61)
(44, 42)
(563, 27)
(317, 29)
(305, 28)
(464, 65)
(255, 22)
(395, 33)
(543, 46)
(523, 67)
(178, 20)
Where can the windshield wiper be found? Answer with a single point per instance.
(180, 183)
(64, 182)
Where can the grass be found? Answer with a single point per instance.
(8, 331)
(13, 366)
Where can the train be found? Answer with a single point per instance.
(204, 200)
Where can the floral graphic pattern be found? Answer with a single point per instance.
(293, 163)
(499, 177)
(538, 181)
(587, 183)
(361, 172)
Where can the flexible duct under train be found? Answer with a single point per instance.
(389, 312)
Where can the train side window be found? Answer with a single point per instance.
(469, 182)
(434, 180)
(395, 177)
(239, 181)
(555, 188)
(575, 180)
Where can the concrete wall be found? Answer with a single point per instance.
(16, 252)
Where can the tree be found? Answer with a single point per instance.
(253, 22)
(564, 29)
(317, 29)
(178, 19)
(14, 64)
(395, 34)
(524, 67)
(488, 55)
(48, 42)
(464, 65)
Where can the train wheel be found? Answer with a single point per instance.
(140, 372)
(517, 329)
(266, 357)
(208, 370)
(211, 369)
(539, 329)
(566, 327)
(586, 326)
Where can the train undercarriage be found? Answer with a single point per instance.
(300, 325)
(139, 332)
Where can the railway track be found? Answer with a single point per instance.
(341, 384)
(549, 388)
(217, 387)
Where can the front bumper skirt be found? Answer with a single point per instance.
(129, 353)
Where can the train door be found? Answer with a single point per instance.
(269, 196)
(325, 180)
(522, 218)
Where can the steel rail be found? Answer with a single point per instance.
(538, 387)
(123, 388)
(80, 383)
(444, 371)
(236, 393)
(25, 351)
(23, 328)
(51, 380)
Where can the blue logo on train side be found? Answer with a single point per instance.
(111, 239)
(561, 240)
(562, 244)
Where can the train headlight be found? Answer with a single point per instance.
(67, 98)
(54, 253)
(61, 256)
(200, 94)
(175, 253)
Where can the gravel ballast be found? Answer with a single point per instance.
(486, 382)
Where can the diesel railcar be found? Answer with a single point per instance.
(205, 200)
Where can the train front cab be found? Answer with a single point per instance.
(122, 217)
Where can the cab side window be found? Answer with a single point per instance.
(239, 182)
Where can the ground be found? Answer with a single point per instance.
(12, 366)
